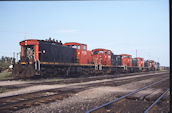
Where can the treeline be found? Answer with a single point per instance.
(5, 62)
(6, 59)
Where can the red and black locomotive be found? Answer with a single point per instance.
(50, 57)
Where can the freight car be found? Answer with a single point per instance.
(51, 58)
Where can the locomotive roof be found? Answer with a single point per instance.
(40, 40)
(29, 40)
(74, 43)
(139, 58)
(125, 55)
(33, 41)
(100, 49)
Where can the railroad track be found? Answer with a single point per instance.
(69, 81)
(109, 105)
(88, 77)
(16, 102)
(157, 100)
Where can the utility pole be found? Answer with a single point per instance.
(136, 52)
(17, 57)
(13, 57)
(25, 36)
(13, 54)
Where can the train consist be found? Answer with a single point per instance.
(49, 58)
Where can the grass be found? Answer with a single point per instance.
(4, 65)
(5, 75)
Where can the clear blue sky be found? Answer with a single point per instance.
(121, 26)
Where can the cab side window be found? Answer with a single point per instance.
(74, 46)
(108, 52)
(84, 47)
(68, 45)
(78, 46)
(105, 52)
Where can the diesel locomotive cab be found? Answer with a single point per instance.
(29, 51)
(83, 56)
(101, 56)
(138, 63)
(126, 60)
(28, 65)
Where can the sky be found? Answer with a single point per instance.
(123, 26)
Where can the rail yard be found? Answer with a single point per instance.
(128, 92)
(85, 57)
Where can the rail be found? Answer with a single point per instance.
(157, 101)
(122, 97)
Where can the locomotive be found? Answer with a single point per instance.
(52, 58)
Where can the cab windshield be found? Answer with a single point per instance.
(124, 56)
(96, 52)
(74, 46)
(28, 51)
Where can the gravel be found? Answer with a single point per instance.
(36, 88)
(87, 99)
